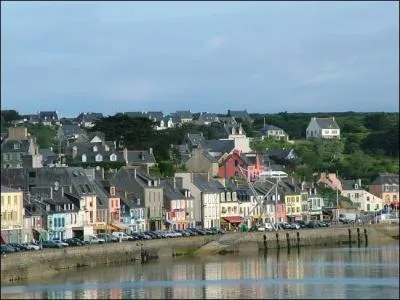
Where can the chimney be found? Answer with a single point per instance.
(149, 183)
(174, 182)
(125, 153)
(62, 191)
(155, 182)
(208, 176)
(115, 145)
(51, 192)
(359, 182)
(134, 172)
(151, 151)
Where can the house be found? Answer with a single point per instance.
(133, 180)
(113, 202)
(231, 165)
(155, 116)
(68, 132)
(292, 200)
(362, 199)
(315, 206)
(205, 118)
(49, 158)
(182, 117)
(273, 207)
(242, 115)
(238, 135)
(88, 119)
(135, 114)
(33, 119)
(178, 205)
(386, 187)
(286, 157)
(165, 123)
(49, 118)
(66, 190)
(202, 162)
(12, 214)
(18, 146)
(133, 212)
(193, 140)
(330, 180)
(219, 148)
(273, 132)
(139, 158)
(34, 222)
(326, 128)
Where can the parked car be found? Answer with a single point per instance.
(5, 249)
(265, 227)
(74, 242)
(322, 224)
(312, 224)
(19, 247)
(122, 236)
(218, 230)
(62, 243)
(303, 224)
(92, 239)
(32, 246)
(51, 244)
(109, 238)
(294, 226)
(152, 234)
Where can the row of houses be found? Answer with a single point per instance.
(72, 201)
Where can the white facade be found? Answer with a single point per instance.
(211, 210)
(363, 199)
(314, 130)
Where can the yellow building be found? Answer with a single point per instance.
(293, 207)
(12, 214)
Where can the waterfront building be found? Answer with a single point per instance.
(386, 187)
(12, 213)
(362, 199)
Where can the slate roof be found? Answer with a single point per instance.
(327, 123)
(33, 118)
(195, 139)
(135, 114)
(171, 193)
(48, 156)
(69, 130)
(87, 149)
(349, 184)
(89, 117)
(140, 156)
(268, 127)
(220, 146)
(48, 116)
(14, 178)
(205, 186)
(182, 114)
(386, 178)
(206, 117)
(156, 116)
(242, 114)
(102, 195)
(8, 146)
(6, 189)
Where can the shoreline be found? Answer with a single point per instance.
(44, 263)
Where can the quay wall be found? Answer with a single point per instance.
(47, 262)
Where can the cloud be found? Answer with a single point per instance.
(215, 42)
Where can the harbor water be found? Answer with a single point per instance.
(327, 273)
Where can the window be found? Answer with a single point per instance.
(62, 222)
(16, 146)
(298, 209)
(99, 157)
(367, 198)
(9, 200)
(84, 158)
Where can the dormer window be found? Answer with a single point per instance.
(99, 157)
(113, 157)
(112, 191)
(16, 146)
(95, 149)
(138, 201)
(356, 186)
(84, 158)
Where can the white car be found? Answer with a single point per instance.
(265, 227)
(64, 244)
(31, 246)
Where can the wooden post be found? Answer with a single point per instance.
(265, 243)
(298, 239)
(358, 237)
(366, 237)
(288, 241)
(349, 237)
(277, 241)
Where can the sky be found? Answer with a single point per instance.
(265, 57)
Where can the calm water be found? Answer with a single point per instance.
(362, 273)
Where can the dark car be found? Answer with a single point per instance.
(151, 234)
(18, 247)
(51, 244)
(303, 224)
(322, 224)
(73, 242)
(109, 238)
(312, 224)
(5, 249)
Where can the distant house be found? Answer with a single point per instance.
(48, 156)
(68, 132)
(155, 116)
(139, 158)
(20, 149)
(165, 123)
(240, 114)
(202, 162)
(206, 118)
(135, 114)
(273, 132)
(182, 116)
(326, 128)
(49, 118)
(386, 187)
(88, 119)
(362, 199)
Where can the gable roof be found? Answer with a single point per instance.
(220, 146)
(207, 186)
(327, 123)
(242, 114)
(9, 146)
(195, 139)
(155, 115)
(139, 156)
(70, 129)
(48, 115)
(386, 178)
(89, 117)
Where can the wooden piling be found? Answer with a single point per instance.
(349, 237)
(366, 237)
(358, 237)
(265, 243)
(298, 239)
(288, 240)
(277, 241)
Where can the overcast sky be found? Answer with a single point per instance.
(203, 56)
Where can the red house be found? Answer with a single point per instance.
(240, 164)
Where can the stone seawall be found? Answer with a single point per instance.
(47, 262)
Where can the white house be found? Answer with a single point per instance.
(326, 128)
(363, 199)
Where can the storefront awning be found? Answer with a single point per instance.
(234, 219)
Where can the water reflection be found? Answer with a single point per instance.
(324, 273)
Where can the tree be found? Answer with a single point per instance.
(9, 115)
